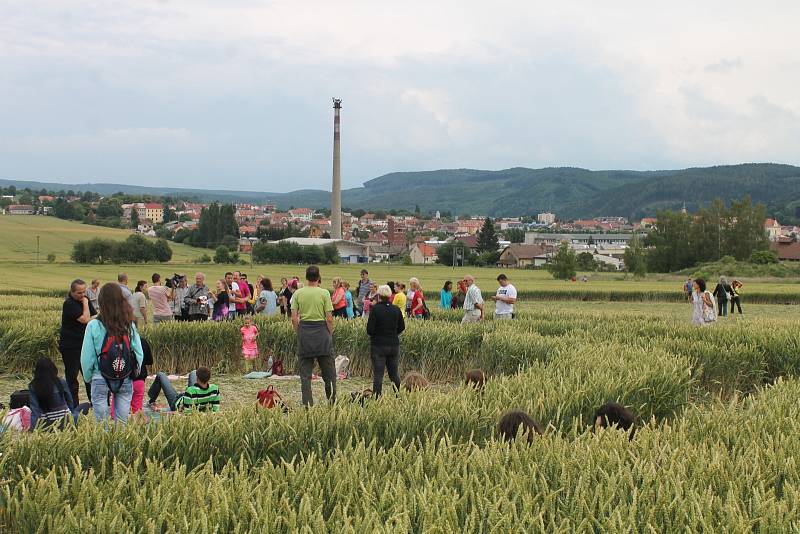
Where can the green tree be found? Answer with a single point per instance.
(764, 257)
(636, 258)
(446, 251)
(222, 255)
(134, 218)
(563, 264)
(515, 235)
(586, 261)
(487, 237)
(670, 243)
(746, 233)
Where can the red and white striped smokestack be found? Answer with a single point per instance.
(336, 192)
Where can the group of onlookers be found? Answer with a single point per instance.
(707, 305)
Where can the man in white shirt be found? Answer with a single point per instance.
(473, 302)
(234, 293)
(504, 299)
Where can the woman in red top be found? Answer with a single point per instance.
(418, 300)
(338, 299)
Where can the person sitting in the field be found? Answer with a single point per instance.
(50, 398)
(475, 378)
(613, 414)
(414, 381)
(517, 422)
(200, 393)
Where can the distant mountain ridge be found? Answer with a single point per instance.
(567, 191)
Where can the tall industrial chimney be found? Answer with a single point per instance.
(336, 192)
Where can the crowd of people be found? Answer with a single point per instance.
(101, 341)
(708, 305)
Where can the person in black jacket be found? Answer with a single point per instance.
(722, 293)
(76, 313)
(384, 326)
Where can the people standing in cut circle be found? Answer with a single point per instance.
(473, 301)
(115, 323)
(180, 310)
(199, 299)
(76, 312)
(222, 301)
(244, 294)
(723, 294)
(504, 298)
(160, 296)
(93, 291)
(312, 318)
(364, 286)
(400, 298)
(338, 298)
(348, 298)
(282, 296)
(122, 280)
(384, 326)
(267, 303)
(417, 305)
(736, 300)
(140, 303)
(446, 296)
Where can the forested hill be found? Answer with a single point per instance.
(567, 191)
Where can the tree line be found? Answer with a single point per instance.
(134, 249)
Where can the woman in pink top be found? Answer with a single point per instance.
(249, 346)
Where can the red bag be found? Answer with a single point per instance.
(277, 368)
(269, 398)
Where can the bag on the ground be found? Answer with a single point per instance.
(342, 364)
(18, 419)
(116, 361)
(269, 398)
(709, 312)
(277, 368)
(20, 398)
(360, 397)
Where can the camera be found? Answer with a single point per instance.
(174, 281)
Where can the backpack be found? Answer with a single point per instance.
(710, 313)
(18, 419)
(426, 313)
(269, 398)
(277, 368)
(116, 361)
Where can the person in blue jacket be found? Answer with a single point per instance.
(116, 318)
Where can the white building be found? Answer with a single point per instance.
(349, 251)
(546, 218)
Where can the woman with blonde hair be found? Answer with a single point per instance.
(417, 306)
(338, 298)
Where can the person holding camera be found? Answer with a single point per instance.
(160, 297)
(199, 299)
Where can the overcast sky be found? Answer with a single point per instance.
(236, 94)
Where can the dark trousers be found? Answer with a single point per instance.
(736, 303)
(198, 317)
(72, 370)
(327, 367)
(384, 358)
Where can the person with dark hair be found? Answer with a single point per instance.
(76, 312)
(446, 296)
(364, 284)
(475, 378)
(736, 302)
(384, 326)
(50, 399)
(267, 298)
(613, 414)
(160, 296)
(139, 303)
(703, 304)
(200, 392)
(517, 422)
(505, 297)
(115, 324)
(251, 297)
(244, 294)
(312, 317)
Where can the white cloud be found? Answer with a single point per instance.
(425, 84)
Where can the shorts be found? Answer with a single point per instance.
(471, 316)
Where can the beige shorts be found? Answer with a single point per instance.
(502, 316)
(472, 316)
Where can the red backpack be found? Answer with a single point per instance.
(269, 398)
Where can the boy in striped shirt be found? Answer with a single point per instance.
(200, 393)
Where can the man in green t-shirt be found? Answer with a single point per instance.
(312, 317)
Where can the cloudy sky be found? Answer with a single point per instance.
(236, 94)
